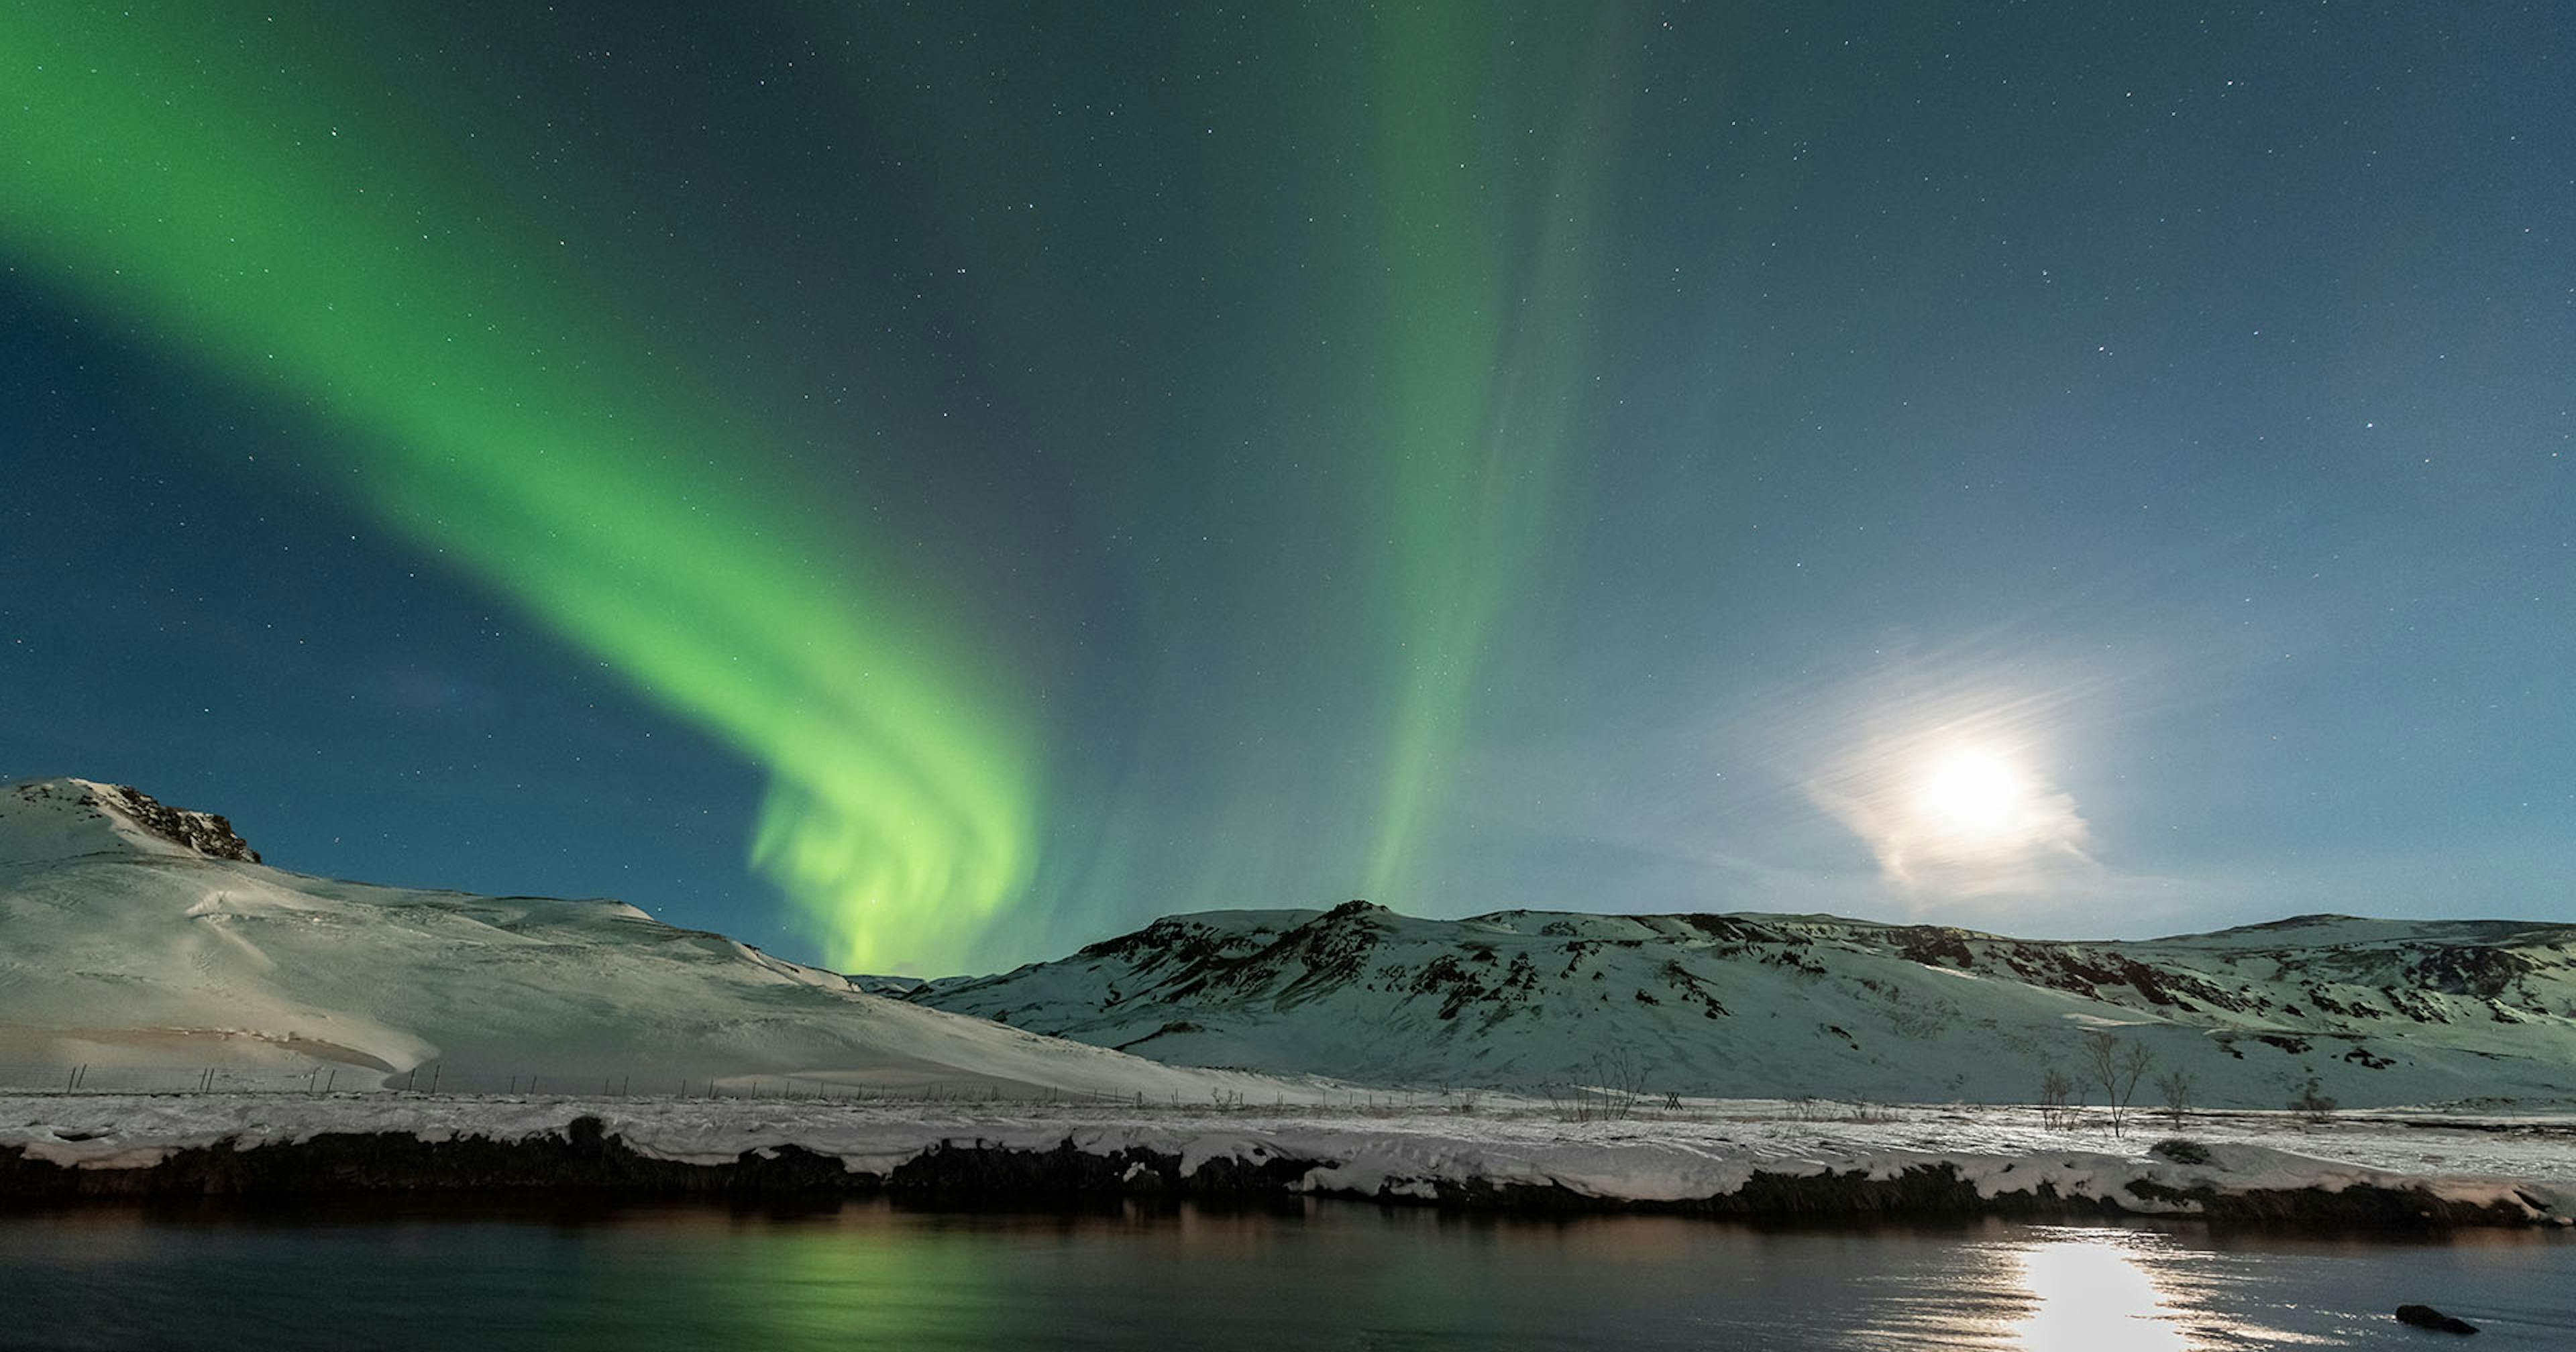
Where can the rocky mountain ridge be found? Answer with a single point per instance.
(2375, 1011)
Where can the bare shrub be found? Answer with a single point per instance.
(2117, 1066)
(2055, 1093)
(1862, 1110)
(2176, 1086)
(1618, 1087)
(2312, 1105)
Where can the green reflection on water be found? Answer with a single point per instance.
(1330, 1275)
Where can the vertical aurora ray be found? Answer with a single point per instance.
(1326, 527)
(483, 401)
(1477, 383)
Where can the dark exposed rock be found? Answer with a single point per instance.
(1175, 1026)
(1175, 937)
(2080, 970)
(2484, 971)
(1332, 948)
(1723, 928)
(1934, 945)
(2426, 1317)
(204, 832)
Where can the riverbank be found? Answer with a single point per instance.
(1739, 1160)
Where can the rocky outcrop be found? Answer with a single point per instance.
(205, 832)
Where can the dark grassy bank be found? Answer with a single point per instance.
(585, 1159)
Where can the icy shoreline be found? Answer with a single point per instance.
(1723, 1159)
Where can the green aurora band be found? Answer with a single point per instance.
(1477, 395)
(1402, 199)
(487, 411)
(486, 394)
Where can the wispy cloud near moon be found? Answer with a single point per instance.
(1949, 816)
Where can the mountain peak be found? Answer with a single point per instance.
(53, 818)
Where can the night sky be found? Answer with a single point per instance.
(920, 487)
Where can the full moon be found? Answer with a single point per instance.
(1975, 796)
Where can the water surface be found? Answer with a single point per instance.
(1332, 1276)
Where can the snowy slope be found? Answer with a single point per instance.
(2380, 1011)
(135, 935)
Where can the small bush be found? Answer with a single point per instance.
(2055, 1095)
(2176, 1086)
(2181, 1150)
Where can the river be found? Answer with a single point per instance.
(1332, 1275)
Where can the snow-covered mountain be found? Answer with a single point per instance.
(2378, 1011)
(138, 935)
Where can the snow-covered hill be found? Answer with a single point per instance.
(137, 935)
(2379, 1011)
(134, 934)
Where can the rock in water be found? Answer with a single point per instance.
(2426, 1317)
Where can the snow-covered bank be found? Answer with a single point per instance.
(1723, 1160)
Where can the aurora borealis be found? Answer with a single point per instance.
(925, 489)
(452, 373)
